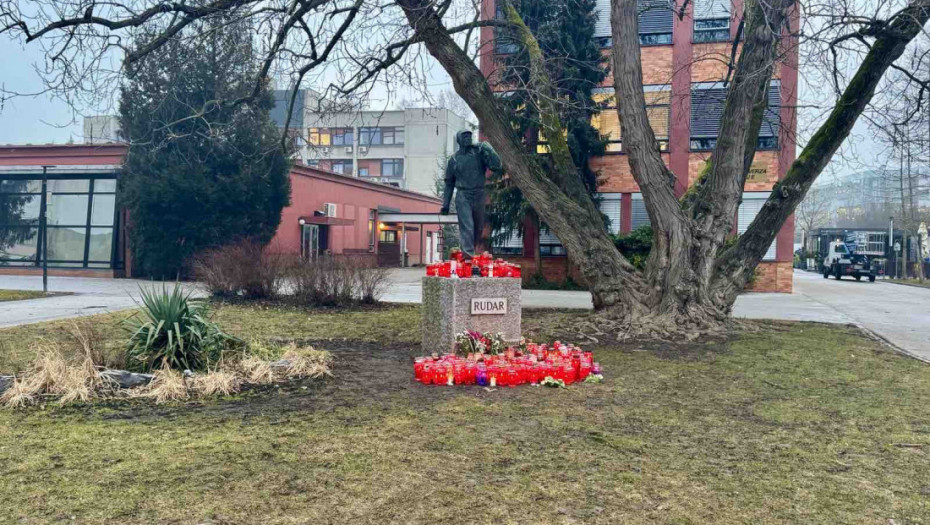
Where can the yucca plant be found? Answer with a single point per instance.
(174, 330)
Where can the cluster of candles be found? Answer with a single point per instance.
(559, 361)
(483, 265)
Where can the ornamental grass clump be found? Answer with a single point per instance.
(174, 331)
(51, 374)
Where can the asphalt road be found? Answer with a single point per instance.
(899, 314)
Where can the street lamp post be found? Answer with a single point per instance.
(891, 244)
(43, 227)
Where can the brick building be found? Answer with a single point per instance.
(88, 234)
(684, 61)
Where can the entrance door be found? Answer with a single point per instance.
(310, 241)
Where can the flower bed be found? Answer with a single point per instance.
(529, 363)
(484, 265)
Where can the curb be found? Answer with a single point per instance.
(880, 338)
(905, 284)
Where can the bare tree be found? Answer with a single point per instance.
(814, 211)
(692, 276)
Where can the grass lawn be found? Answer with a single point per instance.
(793, 423)
(19, 295)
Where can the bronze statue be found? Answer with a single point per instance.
(466, 172)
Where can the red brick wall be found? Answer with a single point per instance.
(773, 277)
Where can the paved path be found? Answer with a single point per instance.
(900, 314)
(89, 296)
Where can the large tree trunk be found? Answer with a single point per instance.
(687, 287)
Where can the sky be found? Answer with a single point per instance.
(32, 120)
(45, 119)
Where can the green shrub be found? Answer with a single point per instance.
(635, 246)
(174, 330)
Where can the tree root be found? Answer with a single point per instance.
(621, 326)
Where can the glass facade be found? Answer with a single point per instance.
(81, 221)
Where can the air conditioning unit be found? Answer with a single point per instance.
(325, 150)
(348, 149)
(329, 209)
(363, 150)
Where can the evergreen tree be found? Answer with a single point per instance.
(194, 182)
(576, 66)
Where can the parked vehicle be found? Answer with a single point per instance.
(840, 261)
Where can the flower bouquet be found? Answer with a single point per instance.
(472, 342)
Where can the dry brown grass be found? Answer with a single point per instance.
(51, 374)
(75, 376)
(256, 370)
(305, 362)
(168, 385)
(217, 382)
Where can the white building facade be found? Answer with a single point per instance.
(405, 148)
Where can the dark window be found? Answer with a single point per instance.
(80, 213)
(655, 22)
(392, 168)
(707, 102)
(390, 136)
(342, 166)
(342, 136)
(369, 136)
(504, 41)
(712, 30)
(549, 244)
(712, 20)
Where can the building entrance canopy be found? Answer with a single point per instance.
(418, 218)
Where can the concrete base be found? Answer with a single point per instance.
(447, 310)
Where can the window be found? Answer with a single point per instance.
(362, 172)
(504, 42)
(342, 166)
(542, 145)
(502, 244)
(658, 99)
(371, 230)
(389, 236)
(391, 136)
(610, 207)
(638, 214)
(342, 136)
(656, 18)
(707, 102)
(372, 136)
(319, 137)
(711, 20)
(748, 209)
(369, 136)
(549, 244)
(392, 168)
(712, 30)
(81, 216)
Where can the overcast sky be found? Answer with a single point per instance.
(43, 119)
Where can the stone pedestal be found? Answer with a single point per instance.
(448, 309)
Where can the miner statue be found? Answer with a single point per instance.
(466, 175)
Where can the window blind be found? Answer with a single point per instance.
(750, 207)
(610, 206)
